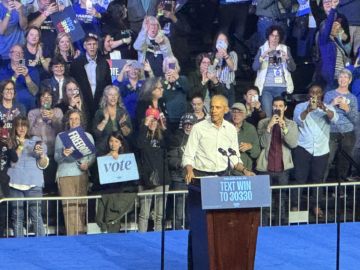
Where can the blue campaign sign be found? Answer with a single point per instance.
(66, 21)
(235, 192)
(77, 140)
(120, 170)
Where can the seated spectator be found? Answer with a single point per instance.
(65, 49)
(176, 28)
(106, 48)
(311, 156)
(342, 133)
(177, 171)
(26, 78)
(112, 116)
(73, 176)
(92, 73)
(253, 106)
(225, 63)
(114, 26)
(273, 63)
(138, 10)
(333, 53)
(42, 19)
(72, 97)
(152, 45)
(9, 107)
(55, 83)
(130, 81)
(198, 106)
(46, 123)
(34, 53)
(154, 170)
(7, 157)
(12, 26)
(32, 160)
(150, 96)
(249, 145)
(278, 135)
(176, 90)
(204, 82)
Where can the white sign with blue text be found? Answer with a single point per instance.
(235, 192)
(120, 170)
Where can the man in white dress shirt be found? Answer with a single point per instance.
(201, 156)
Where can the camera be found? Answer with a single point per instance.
(275, 58)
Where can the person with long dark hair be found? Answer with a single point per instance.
(225, 64)
(71, 96)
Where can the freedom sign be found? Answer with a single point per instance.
(66, 22)
(77, 140)
(121, 170)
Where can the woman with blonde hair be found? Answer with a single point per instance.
(64, 47)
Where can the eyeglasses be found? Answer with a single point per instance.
(236, 112)
(9, 89)
(16, 52)
(275, 36)
(206, 63)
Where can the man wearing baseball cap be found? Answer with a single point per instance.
(92, 73)
(249, 145)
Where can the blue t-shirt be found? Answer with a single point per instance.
(89, 23)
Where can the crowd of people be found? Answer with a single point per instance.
(50, 85)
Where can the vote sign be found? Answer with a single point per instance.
(235, 192)
(120, 170)
(66, 21)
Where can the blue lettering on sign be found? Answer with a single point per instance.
(116, 166)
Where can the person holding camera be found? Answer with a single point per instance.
(253, 106)
(311, 156)
(13, 23)
(27, 79)
(278, 135)
(273, 64)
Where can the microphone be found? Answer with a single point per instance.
(232, 152)
(222, 151)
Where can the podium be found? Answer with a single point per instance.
(225, 216)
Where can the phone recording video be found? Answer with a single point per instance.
(172, 65)
(277, 112)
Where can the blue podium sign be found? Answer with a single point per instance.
(235, 192)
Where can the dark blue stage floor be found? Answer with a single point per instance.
(297, 247)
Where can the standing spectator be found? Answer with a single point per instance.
(65, 49)
(204, 82)
(12, 25)
(342, 133)
(249, 146)
(72, 97)
(55, 83)
(9, 107)
(89, 19)
(92, 73)
(176, 89)
(278, 135)
(138, 10)
(177, 171)
(26, 78)
(114, 26)
(273, 63)
(150, 96)
(34, 53)
(106, 48)
(73, 176)
(46, 123)
(225, 63)
(312, 153)
(152, 45)
(198, 106)
(42, 19)
(333, 53)
(130, 81)
(112, 116)
(7, 157)
(154, 171)
(32, 160)
(253, 106)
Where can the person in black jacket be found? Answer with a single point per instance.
(8, 155)
(92, 73)
(154, 168)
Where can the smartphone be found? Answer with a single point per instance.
(136, 65)
(167, 5)
(22, 62)
(172, 65)
(160, 34)
(255, 98)
(4, 133)
(211, 69)
(221, 44)
(47, 106)
(89, 6)
(277, 112)
(76, 93)
(37, 145)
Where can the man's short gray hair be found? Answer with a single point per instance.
(221, 97)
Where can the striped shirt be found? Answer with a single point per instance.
(224, 74)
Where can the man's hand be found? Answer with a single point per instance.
(190, 174)
(51, 9)
(248, 173)
(274, 120)
(244, 147)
